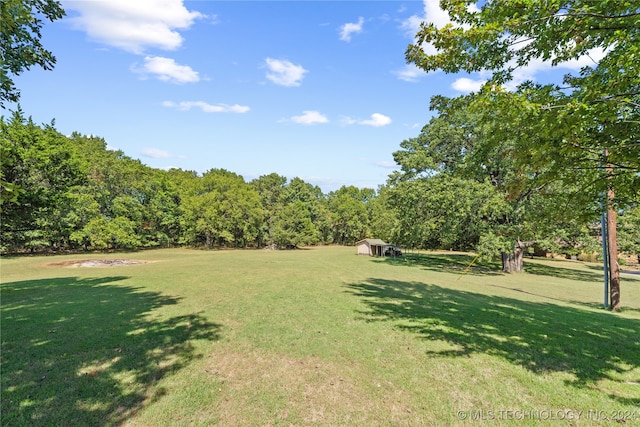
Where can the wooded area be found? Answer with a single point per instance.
(74, 193)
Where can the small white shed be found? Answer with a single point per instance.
(371, 247)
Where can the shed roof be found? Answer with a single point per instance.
(375, 242)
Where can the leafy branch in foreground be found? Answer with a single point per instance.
(20, 46)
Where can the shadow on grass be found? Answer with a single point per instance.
(541, 337)
(594, 273)
(452, 263)
(563, 272)
(79, 351)
(458, 263)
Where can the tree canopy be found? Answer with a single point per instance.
(20, 45)
(573, 126)
(455, 190)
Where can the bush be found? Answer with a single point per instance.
(589, 257)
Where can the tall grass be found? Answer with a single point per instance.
(316, 336)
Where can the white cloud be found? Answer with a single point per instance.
(166, 69)
(537, 66)
(205, 107)
(310, 118)
(529, 72)
(432, 14)
(467, 85)
(377, 120)
(591, 58)
(133, 25)
(349, 28)
(155, 153)
(284, 73)
(410, 73)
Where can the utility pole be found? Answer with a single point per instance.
(605, 252)
(612, 246)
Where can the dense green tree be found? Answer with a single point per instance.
(222, 209)
(314, 200)
(383, 221)
(161, 219)
(200, 219)
(102, 233)
(43, 164)
(323, 222)
(276, 193)
(125, 188)
(293, 226)
(445, 212)
(270, 189)
(113, 176)
(20, 46)
(299, 190)
(78, 194)
(79, 208)
(528, 210)
(349, 215)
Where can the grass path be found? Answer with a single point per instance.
(313, 337)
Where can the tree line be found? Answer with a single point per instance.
(72, 193)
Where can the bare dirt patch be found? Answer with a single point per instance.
(96, 263)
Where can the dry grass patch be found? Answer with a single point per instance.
(274, 389)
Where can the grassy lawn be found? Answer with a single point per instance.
(313, 337)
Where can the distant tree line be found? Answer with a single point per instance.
(72, 193)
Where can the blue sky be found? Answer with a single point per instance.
(314, 89)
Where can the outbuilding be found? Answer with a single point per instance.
(371, 247)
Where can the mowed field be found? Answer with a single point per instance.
(316, 336)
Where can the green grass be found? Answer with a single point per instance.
(313, 337)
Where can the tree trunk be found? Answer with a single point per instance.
(614, 267)
(512, 262)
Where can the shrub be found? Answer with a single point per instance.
(588, 257)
